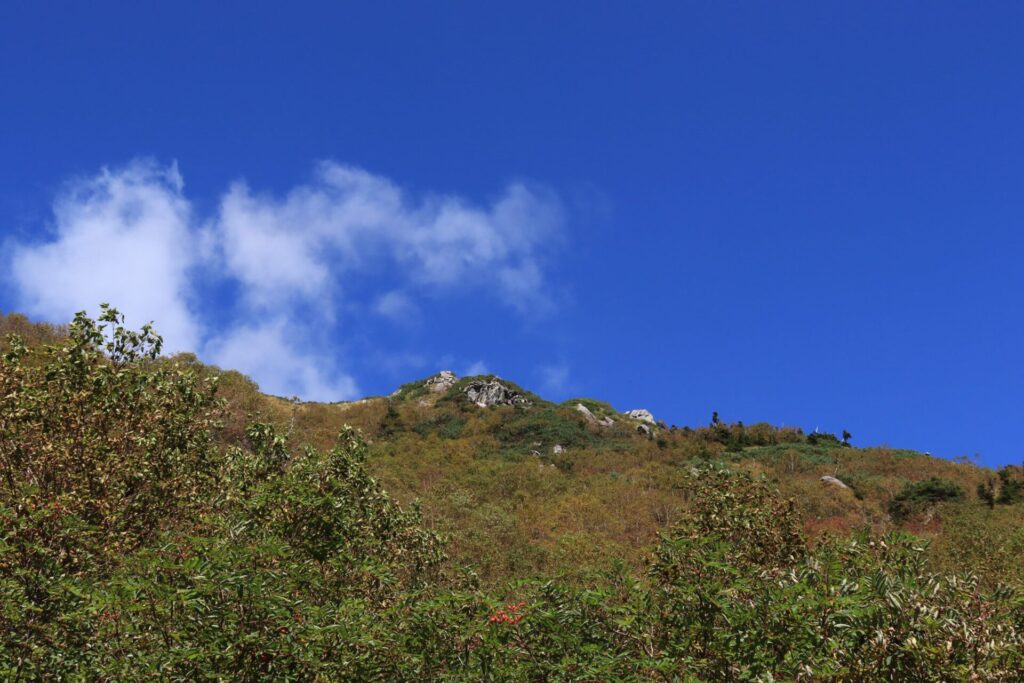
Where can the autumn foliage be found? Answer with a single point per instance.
(161, 520)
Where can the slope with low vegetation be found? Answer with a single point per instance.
(162, 519)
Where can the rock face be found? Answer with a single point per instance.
(442, 381)
(604, 421)
(832, 481)
(494, 393)
(586, 412)
(641, 414)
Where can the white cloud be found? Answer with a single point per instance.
(349, 220)
(397, 307)
(130, 236)
(268, 353)
(555, 379)
(264, 247)
(122, 237)
(476, 368)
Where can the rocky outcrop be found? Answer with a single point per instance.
(641, 414)
(832, 481)
(442, 381)
(493, 393)
(605, 421)
(585, 411)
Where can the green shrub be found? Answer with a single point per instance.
(101, 433)
(823, 438)
(1011, 486)
(546, 425)
(445, 425)
(918, 496)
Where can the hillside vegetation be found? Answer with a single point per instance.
(161, 519)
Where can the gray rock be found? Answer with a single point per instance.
(605, 421)
(557, 448)
(442, 381)
(832, 481)
(494, 393)
(586, 412)
(643, 429)
(641, 414)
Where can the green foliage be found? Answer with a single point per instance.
(1007, 488)
(98, 431)
(987, 492)
(391, 423)
(919, 496)
(544, 425)
(140, 540)
(1011, 485)
(823, 438)
(445, 425)
(742, 598)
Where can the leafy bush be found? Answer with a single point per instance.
(918, 496)
(823, 438)
(545, 425)
(108, 439)
(739, 597)
(1011, 486)
(445, 425)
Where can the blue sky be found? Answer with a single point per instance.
(804, 213)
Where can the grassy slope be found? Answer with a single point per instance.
(606, 498)
(608, 495)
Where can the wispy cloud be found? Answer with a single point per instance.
(476, 368)
(397, 307)
(273, 353)
(131, 236)
(555, 380)
(122, 236)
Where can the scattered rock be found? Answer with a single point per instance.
(605, 421)
(643, 429)
(494, 393)
(832, 481)
(641, 414)
(586, 412)
(442, 381)
(535, 453)
(557, 448)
